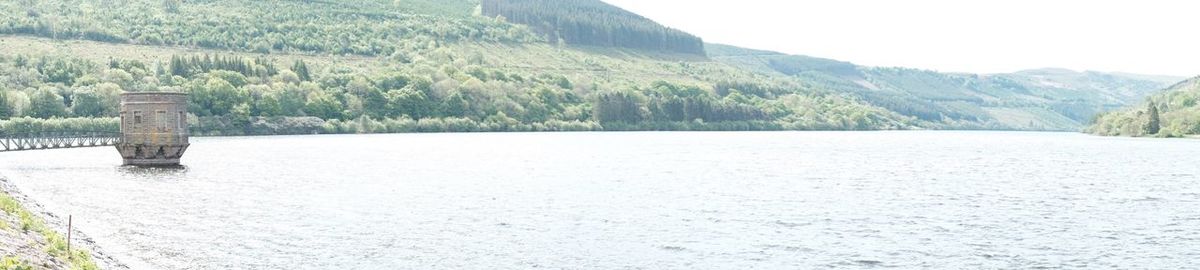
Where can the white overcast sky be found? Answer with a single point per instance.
(993, 36)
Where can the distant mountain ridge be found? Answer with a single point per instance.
(1041, 99)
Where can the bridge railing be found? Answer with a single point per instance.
(57, 139)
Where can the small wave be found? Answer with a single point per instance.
(868, 262)
(787, 248)
(790, 224)
(673, 248)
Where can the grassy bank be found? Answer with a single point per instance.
(29, 243)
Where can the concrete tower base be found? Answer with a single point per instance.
(148, 155)
(152, 162)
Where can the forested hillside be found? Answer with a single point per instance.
(370, 27)
(1046, 99)
(1175, 112)
(233, 94)
(302, 67)
(592, 22)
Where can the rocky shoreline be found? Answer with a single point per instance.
(33, 248)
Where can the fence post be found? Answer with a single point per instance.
(68, 236)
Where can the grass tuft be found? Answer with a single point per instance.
(14, 263)
(56, 244)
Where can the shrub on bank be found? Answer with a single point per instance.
(14, 263)
(27, 125)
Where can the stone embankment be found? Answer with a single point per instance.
(31, 238)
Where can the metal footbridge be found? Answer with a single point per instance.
(57, 140)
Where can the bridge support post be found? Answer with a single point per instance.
(154, 129)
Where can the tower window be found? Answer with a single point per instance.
(162, 121)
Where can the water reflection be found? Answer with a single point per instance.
(154, 173)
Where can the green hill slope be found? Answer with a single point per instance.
(272, 67)
(594, 23)
(1047, 99)
(1176, 109)
(368, 27)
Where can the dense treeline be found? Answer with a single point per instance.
(665, 102)
(1172, 113)
(592, 22)
(383, 28)
(190, 66)
(60, 87)
(232, 95)
(27, 125)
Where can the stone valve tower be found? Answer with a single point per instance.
(154, 128)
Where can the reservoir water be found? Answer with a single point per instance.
(769, 200)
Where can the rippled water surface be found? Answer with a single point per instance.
(784, 200)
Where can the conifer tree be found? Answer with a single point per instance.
(1154, 125)
(301, 69)
(6, 110)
